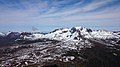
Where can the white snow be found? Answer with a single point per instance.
(66, 35)
(2, 34)
(103, 34)
(68, 58)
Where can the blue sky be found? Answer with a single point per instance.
(46, 15)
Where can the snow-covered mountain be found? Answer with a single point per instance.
(65, 46)
(2, 34)
(75, 33)
(62, 34)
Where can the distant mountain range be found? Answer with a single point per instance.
(62, 34)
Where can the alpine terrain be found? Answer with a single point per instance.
(64, 47)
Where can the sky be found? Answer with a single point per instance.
(47, 15)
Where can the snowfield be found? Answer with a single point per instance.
(75, 33)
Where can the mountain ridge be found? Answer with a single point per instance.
(63, 34)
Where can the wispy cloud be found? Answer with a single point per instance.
(65, 13)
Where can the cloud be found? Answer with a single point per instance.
(60, 12)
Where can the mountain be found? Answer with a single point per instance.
(78, 34)
(66, 34)
(8, 38)
(64, 47)
(2, 34)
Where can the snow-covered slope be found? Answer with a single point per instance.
(66, 34)
(64, 45)
(2, 34)
(75, 33)
(103, 34)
